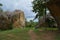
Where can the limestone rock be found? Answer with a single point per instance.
(15, 19)
(20, 21)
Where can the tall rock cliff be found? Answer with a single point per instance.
(20, 19)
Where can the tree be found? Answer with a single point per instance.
(0, 7)
(39, 8)
(0, 4)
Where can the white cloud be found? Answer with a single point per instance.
(24, 5)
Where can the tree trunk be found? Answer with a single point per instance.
(54, 8)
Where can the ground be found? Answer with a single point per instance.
(43, 36)
(28, 34)
(33, 36)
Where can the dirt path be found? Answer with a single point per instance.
(48, 36)
(44, 36)
(32, 35)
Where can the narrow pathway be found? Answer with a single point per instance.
(47, 36)
(44, 36)
(32, 35)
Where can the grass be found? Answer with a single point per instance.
(15, 34)
(57, 36)
(22, 34)
(45, 30)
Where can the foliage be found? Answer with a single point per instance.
(31, 23)
(1, 4)
(15, 34)
(39, 8)
(23, 34)
(0, 7)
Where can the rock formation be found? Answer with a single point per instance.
(20, 21)
(9, 20)
(54, 7)
(44, 21)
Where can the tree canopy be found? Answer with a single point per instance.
(1, 4)
(0, 7)
(39, 8)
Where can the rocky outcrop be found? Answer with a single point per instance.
(46, 21)
(20, 19)
(54, 7)
(9, 20)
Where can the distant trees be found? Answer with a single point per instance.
(31, 23)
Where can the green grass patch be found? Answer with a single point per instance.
(57, 37)
(22, 34)
(42, 31)
(45, 29)
(15, 34)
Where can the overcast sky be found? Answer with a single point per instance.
(24, 5)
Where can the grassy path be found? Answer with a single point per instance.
(32, 35)
(28, 34)
(47, 36)
(43, 36)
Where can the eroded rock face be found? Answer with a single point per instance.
(54, 7)
(20, 21)
(9, 20)
(46, 21)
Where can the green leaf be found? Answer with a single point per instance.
(38, 7)
(1, 4)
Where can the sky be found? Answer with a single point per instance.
(24, 5)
